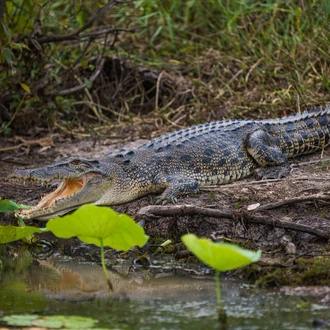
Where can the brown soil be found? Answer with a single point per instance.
(310, 176)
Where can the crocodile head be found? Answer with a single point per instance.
(82, 181)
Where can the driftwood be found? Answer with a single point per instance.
(153, 211)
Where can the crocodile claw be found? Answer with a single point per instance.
(163, 200)
(274, 172)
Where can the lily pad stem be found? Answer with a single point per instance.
(222, 316)
(104, 267)
(217, 283)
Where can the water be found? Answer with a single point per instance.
(144, 300)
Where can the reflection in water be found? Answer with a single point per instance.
(72, 281)
(144, 300)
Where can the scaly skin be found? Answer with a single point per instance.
(179, 163)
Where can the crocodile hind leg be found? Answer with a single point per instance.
(267, 153)
(177, 186)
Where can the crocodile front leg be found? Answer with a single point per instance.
(266, 151)
(177, 186)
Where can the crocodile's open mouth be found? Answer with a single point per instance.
(67, 188)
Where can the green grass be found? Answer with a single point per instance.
(272, 35)
(251, 55)
(270, 29)
(274, 31)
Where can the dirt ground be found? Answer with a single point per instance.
(310, 176)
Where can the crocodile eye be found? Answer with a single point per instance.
(78, 165)
(75, 162)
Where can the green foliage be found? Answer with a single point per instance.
(99, 226)
(92, 224)
(51, 322)
(220, 256)
(7, 205)
(226, 24)
(36, 68)
(13, 233)
(247, 54)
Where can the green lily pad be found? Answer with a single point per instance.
(14, 233)
(99, 226)
(219, 256)
(22, 320)
(52, 322)
(7, 205)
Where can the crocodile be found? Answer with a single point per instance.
(179, 163)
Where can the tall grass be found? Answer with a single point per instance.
(279, 47)
(247, 27)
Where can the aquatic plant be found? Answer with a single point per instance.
(221, 257)
(100, 226)
(92, 224)
(50, 322)
(13, 233)
(6, 205)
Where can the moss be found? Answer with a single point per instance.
(237, 205)
(316, 271)
(212, 197)
(277, 277)
(243, 198)
(304, 271)
(325, 165)
(323, 212)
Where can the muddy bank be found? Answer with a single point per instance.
(302, 196)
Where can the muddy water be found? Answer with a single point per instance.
(146, 300)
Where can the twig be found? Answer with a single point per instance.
(312, 162)
(80, 87)
(43, 142)
(262, 182)
(152, 211)
(74, 35)
(157, 89)
(308, 198)
(106, 31)
(240, 183)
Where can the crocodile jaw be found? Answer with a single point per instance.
(59, 201)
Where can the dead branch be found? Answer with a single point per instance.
(74, 35)
(106, 31)
(43, 142)
(153, 211)
(260, 182)
(288, 201)
(312, 162)
(80, 87)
